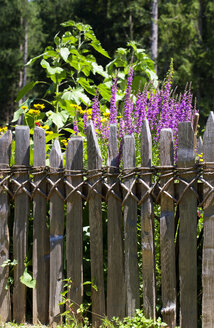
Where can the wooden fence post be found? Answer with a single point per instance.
(130, 232)
(167, 234)
(56, 235)
(74, 229)
(208, 243)
(5, 309)
(20, 228)
(41, 248)
(115, 279)
(147, 228)
(187, 230)
(96, 230)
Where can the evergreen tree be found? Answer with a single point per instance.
(11, 37)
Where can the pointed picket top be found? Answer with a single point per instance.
(186, 151)
(112, 150)
(39, 147)
(5, 147)
(22, 145)
(146, 145)
(55, 157)
(208, 154)
(94, 153)
(166, 147)
(74, 153)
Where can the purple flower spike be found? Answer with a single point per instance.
(128, 105)
(75, 127)
(113, 108)
(96, 119)
(85, 121)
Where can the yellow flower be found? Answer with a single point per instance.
(89, 111)
(34, 112)
(48, 132)
(200, 157)
(104, 120)
(106, 114)
(39, 106)
(76, 107)
(3, 129)
(64, 142)
(45, 127)
(24, 107)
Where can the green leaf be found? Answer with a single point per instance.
(64, 52)
(86, 85)
(97, 46)
(29, 86)
(104, 91)
(77, 95)
(28, 280)
(99, 70)
(57, 74)
(32, 60)
(51, 137)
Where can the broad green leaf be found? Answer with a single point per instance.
(51, 70)
(28, 280)
(99, 70)
(32, 60)
(104, 91)
(97, 46)
(29, 86)
(64, 52)
(68, 23)
(77, 96)
(52, 136)
(86, 85)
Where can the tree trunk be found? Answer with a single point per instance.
(154, 41)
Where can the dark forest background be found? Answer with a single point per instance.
(185, 33)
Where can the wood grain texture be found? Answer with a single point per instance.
(5, 309)
(116, 276)
(130, 233)
(187, 231)
(41, 247)
(20, 228)
(167, 232)
(56, 239)
(74, 228)
(96, 228)
(147, 229)
(208, 244)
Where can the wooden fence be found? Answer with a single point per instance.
(130, 194)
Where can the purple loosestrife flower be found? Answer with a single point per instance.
(85, 121)
(75, 127)
(95, 116)
(153, 110)
(128, 105)
(113, 108)
(140, 110)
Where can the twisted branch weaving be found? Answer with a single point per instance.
(11, 181)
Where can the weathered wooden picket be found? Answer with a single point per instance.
(130, 194)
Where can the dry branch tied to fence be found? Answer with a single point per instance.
(10, 183)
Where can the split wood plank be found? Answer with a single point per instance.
(187, 230)
(74, 221)
(167, 233)
(96, 228)
(56, 236)
(208, 243)
(41, 248)
(130, 232)
(116, 275)
(5, 152)
(20, 228)
(147, 228)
